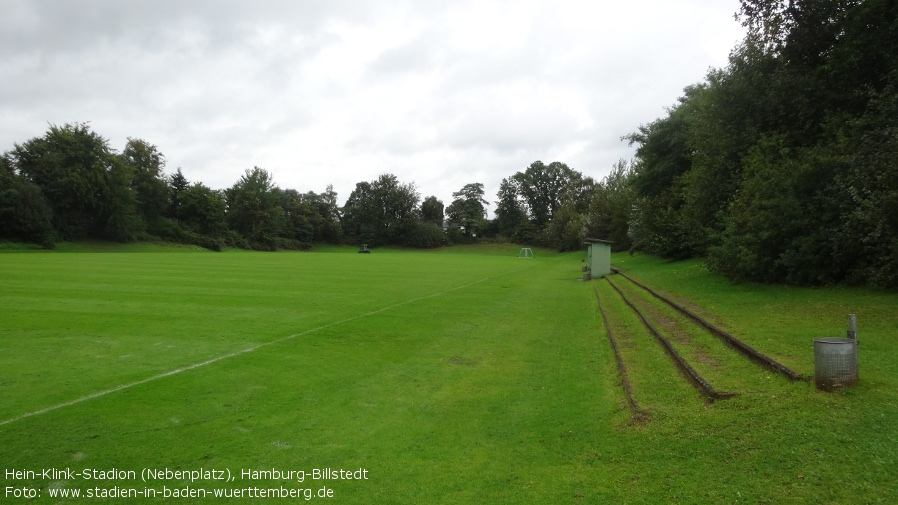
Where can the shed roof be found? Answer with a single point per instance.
(597, 241)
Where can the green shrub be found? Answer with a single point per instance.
(426, 236)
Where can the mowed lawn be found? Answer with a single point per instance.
(457, 376)
(450, 377)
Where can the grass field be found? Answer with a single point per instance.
(464, 375)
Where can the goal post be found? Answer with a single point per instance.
(525, 252)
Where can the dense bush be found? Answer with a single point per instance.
(426, 236)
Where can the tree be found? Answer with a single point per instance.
(542, 188)
(399, 203)
(177, 183)
(330, 230)
(361, 215)
(794, 27)
(777, 224)
(468, 209)
(148, 183)
(567, 229)
(579, 193)
(780, 166)
(381, 212)
(866, 236)
(122, 222)
(510, 211)
(610, 207)
(301, 216)
(24, 212)
(85, 183)
(663, 151)
(680, 186)
(202, 210)
(253, 209)
(425, 235)
(432, 211)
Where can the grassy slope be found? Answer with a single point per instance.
(787, 443)
(488, 379)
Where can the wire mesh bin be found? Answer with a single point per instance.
(835, 362)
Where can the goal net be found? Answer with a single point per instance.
(525, 252)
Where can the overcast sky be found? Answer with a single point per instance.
(337, 92)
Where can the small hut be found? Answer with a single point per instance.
(599, 257)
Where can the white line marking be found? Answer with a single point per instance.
(238, 353)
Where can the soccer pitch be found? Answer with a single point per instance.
(395, 377)
(464, 375)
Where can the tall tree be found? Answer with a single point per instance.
(202, 209)
(432, 211)
(177, 183)
(253, 208)
(468, 208)
(24, 212)
(611, 207)
(301, 216)
(380, 212)
(510, 211)
(782, 158)
(542, 188)
(663, 158)
(83, 180)
(148, 182)
(567, 229)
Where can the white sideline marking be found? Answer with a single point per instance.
(237, 353)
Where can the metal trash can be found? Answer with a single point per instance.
(835, 362)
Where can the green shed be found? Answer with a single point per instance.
(599, 257)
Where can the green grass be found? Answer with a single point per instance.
(787, 443)
(99, 246)
(462, 375)
(656, 380)
(724, 369)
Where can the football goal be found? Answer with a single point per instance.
(525, 252)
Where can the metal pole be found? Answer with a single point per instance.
(852, 333)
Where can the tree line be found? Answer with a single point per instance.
(69, 184)
(783, 166)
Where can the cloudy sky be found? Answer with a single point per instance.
(337, 92)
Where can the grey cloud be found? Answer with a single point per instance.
(222, 85)
(417, 55)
